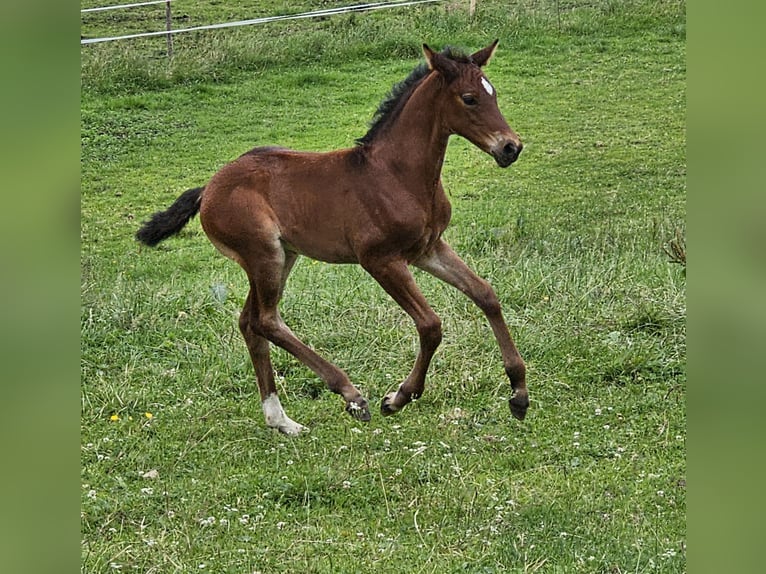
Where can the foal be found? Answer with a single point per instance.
(380, 204)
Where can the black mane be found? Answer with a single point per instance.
(390, 107)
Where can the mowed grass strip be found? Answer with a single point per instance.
(179, 472)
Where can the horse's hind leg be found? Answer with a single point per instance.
(259, 354)
(268, 274)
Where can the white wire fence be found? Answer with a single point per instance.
(119, 6)
(169, 31)
(168, 21)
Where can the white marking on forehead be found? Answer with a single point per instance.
(487, 86)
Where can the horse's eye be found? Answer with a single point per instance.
(469, 100)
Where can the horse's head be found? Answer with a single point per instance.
(470, 104)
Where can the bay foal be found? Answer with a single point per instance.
(380, 204)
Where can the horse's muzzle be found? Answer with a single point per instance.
(507, 152)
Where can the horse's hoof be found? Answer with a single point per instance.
(359, 410)
(291, 428)
(386, 405)
(519, 403)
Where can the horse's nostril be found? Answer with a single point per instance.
(506, 152)
(512, 149)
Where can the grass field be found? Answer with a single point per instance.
(179, 471)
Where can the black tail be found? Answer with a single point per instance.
(163, 224)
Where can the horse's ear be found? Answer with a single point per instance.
(482, 57)
(440, 63)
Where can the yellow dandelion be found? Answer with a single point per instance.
(149, 415)
(114, 417)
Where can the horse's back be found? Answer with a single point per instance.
(304, 198)
(332, 206)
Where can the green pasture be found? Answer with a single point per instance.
(179, 472)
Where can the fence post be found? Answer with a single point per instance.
(472, 8)
(168, 25)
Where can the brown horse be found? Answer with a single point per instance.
(380, 204)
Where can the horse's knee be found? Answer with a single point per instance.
(268, 327)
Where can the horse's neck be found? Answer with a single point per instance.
(417, 142)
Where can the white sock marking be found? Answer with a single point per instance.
(276, 417)
(273, 411)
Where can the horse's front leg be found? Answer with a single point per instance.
(395, 277)
(444, 263)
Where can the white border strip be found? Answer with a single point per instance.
(102, 8)
(325, 12)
